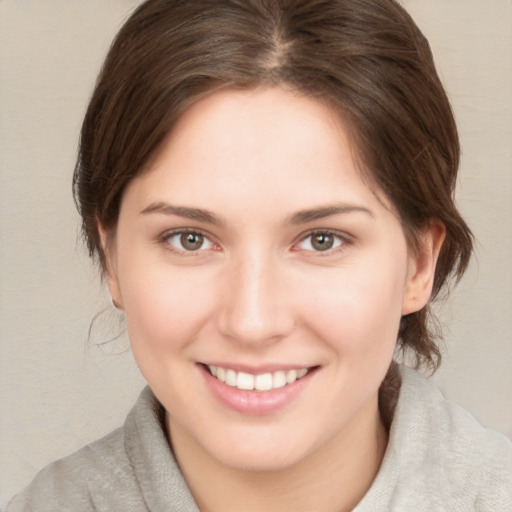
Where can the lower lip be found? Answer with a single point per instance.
(256, 403)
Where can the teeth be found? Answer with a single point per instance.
(291, 376)
(231, 378)
(261, 382)
(245, 381)
(279, 379)
(301, 373)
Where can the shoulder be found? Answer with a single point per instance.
(99, 476)
(465, 462)
(131, 469)
(82, 481)
(447, 424)
(439, 457)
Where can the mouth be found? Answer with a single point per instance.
(257, 391)
(260, 382)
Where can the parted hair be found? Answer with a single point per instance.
(366, 58)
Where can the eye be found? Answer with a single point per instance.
(320, 241)
(188, 241)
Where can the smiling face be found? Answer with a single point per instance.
(252, 251)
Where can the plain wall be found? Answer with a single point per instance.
(59, 391)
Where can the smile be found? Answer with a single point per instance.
(260, 382)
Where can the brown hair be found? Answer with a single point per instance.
(365, 57)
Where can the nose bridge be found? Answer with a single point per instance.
(255, 309)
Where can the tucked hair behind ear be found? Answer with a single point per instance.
(366, 58)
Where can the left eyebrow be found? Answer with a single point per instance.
(183, 211)
(322, 212)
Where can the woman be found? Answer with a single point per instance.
(268, 187)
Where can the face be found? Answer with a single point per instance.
(262, 279)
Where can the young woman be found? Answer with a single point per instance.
(268, 187)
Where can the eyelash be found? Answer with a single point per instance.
(165, 239)
(342, 241)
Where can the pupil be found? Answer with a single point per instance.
(323, 242)
(191, 241)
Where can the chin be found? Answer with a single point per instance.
(260, 464)
(260, 454)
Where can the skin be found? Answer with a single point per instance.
(258, 293)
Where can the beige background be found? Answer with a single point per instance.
(58, 392)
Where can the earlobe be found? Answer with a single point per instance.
(110, 267)
(422, 267)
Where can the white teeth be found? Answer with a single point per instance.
(245, 381)
(291, 376)
(231, 378)
(301, 373)
(261, 382)
(279, 379)
(221, 374)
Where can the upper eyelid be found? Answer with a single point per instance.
(341, 234)
(163, 238)
(177, 231)
(345, 237)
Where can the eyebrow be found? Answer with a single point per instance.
(300, 217)
(309, 215)
(184, 211)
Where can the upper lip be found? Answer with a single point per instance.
(258, 369)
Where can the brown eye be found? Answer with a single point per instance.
(321, 241)
(189, 241)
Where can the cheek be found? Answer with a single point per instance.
(358, 309)
(165, 308)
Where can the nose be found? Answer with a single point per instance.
(256, 307)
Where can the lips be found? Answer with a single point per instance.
(257, 392)
(257, 382)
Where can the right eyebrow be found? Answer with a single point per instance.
(183, 211)
(322, 212)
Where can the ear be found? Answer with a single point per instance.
(110, 266)
(422, 267)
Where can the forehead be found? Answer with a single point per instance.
(265, 121)
(259, 143)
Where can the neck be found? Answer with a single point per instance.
(332, 479)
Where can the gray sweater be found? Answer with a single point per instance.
(438, 459)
